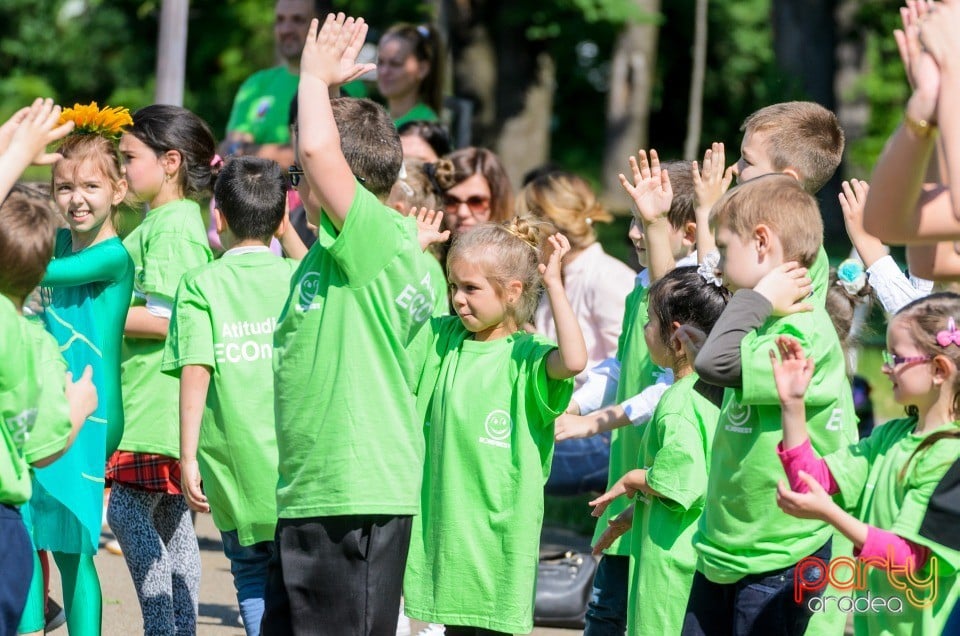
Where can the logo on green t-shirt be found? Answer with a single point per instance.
(309, 286)
(20, 425)
(738, 415)
(498, 426)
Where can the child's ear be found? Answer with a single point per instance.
(943, 369)
(119, 191)
(513, 290)
(793, 172)
(171, 161)
(219, 222)
(675, 343)
(763, 239)
(283, 227)
(690, 233)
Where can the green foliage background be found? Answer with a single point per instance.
(104, 50)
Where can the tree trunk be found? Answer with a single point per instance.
(172, 52)
(628, 106)
(691, 146)
(805, 43)
(509, 79)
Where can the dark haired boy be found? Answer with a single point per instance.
(348, 358)
(220, 345)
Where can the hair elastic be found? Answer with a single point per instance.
(851, 276)
(950, 335)
(424, 31)
(708, 269)
(216, 162)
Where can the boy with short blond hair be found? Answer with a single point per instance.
(748, 548)
(801, 138)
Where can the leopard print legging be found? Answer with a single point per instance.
(159, 544)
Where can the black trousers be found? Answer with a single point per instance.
(341, 576)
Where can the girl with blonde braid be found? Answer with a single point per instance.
(490, 393)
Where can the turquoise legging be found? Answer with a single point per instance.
(81, 596)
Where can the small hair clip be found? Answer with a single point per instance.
(708, 269)
(950, 335)
(424, 31)
(851, 276)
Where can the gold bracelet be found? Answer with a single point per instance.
(920, 127)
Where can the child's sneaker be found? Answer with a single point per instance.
(432, 630)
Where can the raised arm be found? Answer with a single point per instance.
(570, 358)
(899, 209)
(652, 194)
(938, 36)
(86, 266)
(329, 59)
(24, 138)
(709, 183)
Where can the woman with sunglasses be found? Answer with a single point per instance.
(474, 188)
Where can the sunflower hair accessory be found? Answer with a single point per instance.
(90, 119)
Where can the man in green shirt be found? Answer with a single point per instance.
(259, 119)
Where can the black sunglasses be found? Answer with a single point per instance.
(296, 173)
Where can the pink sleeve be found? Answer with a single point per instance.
(802, 458)
(892, 548)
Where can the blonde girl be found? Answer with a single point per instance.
(86, 292)
(490, 392)
(887, 479)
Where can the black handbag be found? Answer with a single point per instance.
(564, 585)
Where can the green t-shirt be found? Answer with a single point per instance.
(18, 405)
(169, 242)
(224, 318)
(868, 475)
(33, 408)
(52, 425)
(742, 530)
(346, 363)
(819, 273)
(637, 372)
(442, 305)
(489, 411)
(676, 454)
(262, 106)
(420, 112)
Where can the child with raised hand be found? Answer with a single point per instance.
(889, 477)
(490, 392)
(892, 287)
(86, 293)
(674, 456)
(359, 298)
(168, 156)
(40, 412)
(220, 345)
(636, 384)
(24, 138)
(768, 230)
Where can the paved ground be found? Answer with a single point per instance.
(218, 603)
